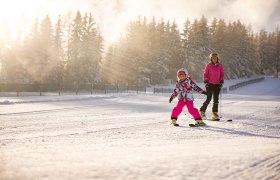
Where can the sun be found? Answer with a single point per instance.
(17, 13)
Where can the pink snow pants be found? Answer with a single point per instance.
(178, 109)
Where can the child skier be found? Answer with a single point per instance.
(213, 78)
(184, 87)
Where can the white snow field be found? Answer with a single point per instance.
(128, 136)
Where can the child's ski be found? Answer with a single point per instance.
(195, 125)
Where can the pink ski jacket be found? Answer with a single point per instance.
(213, 73)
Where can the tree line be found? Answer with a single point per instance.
(71, 52)
(153, 51)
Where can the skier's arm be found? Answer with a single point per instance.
(197, 88)
(175, 93)
(222, 77)
(206, 74)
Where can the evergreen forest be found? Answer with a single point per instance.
(70, 51)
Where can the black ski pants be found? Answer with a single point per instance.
(212, 90)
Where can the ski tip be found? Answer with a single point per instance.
(229, 120)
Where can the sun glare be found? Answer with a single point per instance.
(20, 14)
(16, 13)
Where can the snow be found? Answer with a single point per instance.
(127, 136)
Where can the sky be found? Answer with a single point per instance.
(113, 15)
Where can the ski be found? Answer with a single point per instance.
(218, 119)
(195, 125)
(174, 124)
(227, 120)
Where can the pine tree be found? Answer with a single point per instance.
(107, 73)
(91, 51)
(160, 57)
(46, 50)
(197, 48)
(271, 51)
(278, 48)
(263, 50)
(176, 51)
(253, 53)
(242, 50)
(75, 49)
(222, 43)
(131, 54)
(32, 54)
(12, 70)
(5, 37)
(57, 71)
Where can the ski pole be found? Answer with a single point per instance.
(221, 103)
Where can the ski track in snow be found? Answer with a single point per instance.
(129, 137)
(260, 169)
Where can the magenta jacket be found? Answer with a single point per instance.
(213, 73)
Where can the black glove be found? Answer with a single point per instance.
(221, 83)
(171, 98)
(204, 92)
(206, 84)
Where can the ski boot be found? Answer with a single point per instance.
(173, 122)
(199, 122)
(215, 116)
(202, 114)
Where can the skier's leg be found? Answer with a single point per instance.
(216, 92)
(209, 91)
(177, 109)
(192, 110)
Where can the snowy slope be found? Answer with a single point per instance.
(127, 136)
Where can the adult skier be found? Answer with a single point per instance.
(213, 78)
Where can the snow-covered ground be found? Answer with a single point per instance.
(127, 136)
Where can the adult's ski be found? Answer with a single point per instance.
(219, 119)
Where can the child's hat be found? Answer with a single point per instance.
(182, 70)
